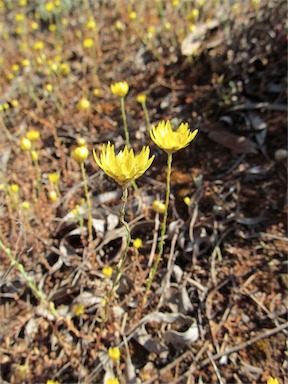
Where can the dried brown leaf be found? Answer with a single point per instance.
(238, 144)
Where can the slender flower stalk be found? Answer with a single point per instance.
(33, 136)
(124, 168)
(89, 214)
(163, 226)
(21, 269)
(54, 180)
(80, 154)
(170, 141)
(35, 158)
(121, 89)
(124, 117)
(27, 145)
(142, 100)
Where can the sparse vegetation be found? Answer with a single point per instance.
(181, 277)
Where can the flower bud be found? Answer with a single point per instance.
(80, 154)
(25, 144)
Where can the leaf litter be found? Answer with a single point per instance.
(218, 308)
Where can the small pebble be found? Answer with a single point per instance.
(280, 155)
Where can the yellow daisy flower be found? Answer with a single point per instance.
(172, 141)
(120, 88)
(124, 167)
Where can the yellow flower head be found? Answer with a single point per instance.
(25, 63)
(187, 200)
(19, 17)
(132, 15)
(112, 380)
(167, 26)
(15, 67)
(78, 309)
(107, 271)
(124, 167)
(33, 135)
(114, 353)
(52, 27)
(53, 177)
(119, 26)
(34, 155)
(83, 104)
(141, 98)
(193, 15)
(151, 31)
(48, 87)
(81, 141)
(52, 382)
(65, 68)
(120, 89)
(137, 243)
(158, 206)
(49, 6)
(25, 144)
(96, 92)
(172, 141)
(34, 25)
(80, 153)
(88, 43)
(76, 210)
(271, 380)
(91, 24)
(26, 205)
(38, 45)
(14, 188)
(255, 3)
(52, 195)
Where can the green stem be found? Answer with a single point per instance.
(163, 229)
(124, 117)
(146, 114)
(128, 236)
(124, 257)
(160, 8)
(89, 215)
(39, 294)
(38, 177)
